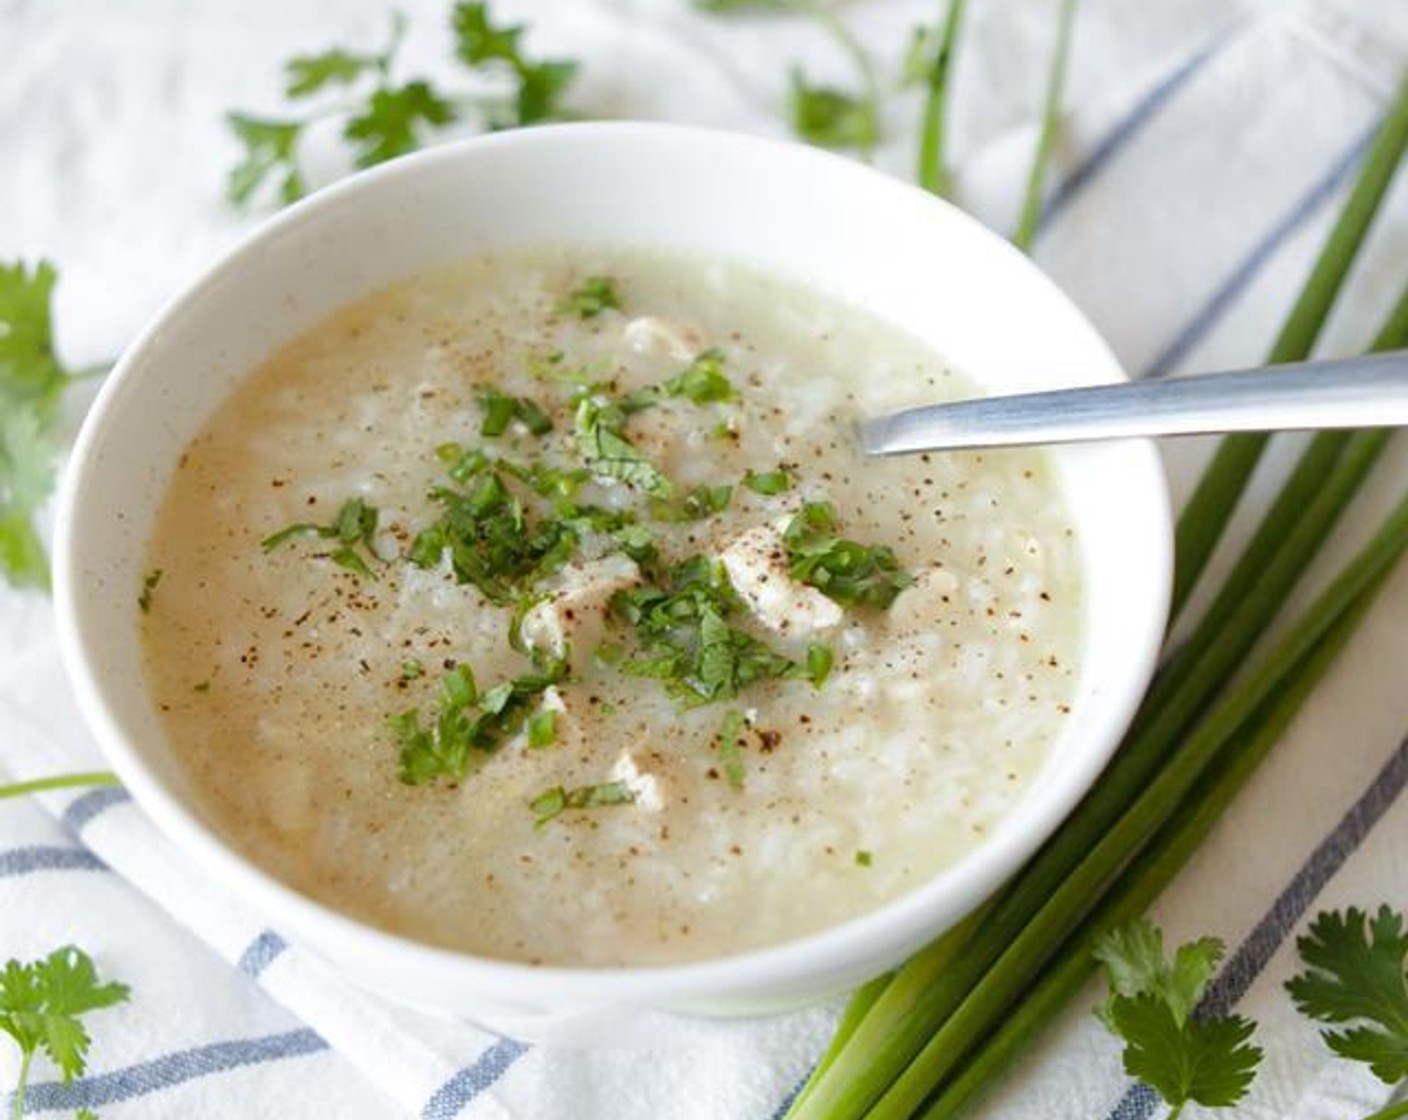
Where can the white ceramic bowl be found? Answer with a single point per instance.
(797, 212)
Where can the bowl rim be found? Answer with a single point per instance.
(832, 950)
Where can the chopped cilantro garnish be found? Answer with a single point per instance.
(557, 800)
(729, 730)
(701, 502)
(687, 643)
(354, 526)
(703, 380)
(149, 582)
(851, 573)
(500, 410)
(542, 728)
(490, 539)
(819, 662)
(467, 721)
(863, 858)
(412, 669)
(591, 298)
(768, 483)
(609, 454)
(201, 686)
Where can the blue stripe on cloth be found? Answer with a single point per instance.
(169, 1070)
(83, 809)
(25, 861)
(781, 1110)
(1277, 923)
(1227, 292)
(1129, 125)
(261, 953)
(450, 1099)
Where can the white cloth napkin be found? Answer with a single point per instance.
(1204, 149)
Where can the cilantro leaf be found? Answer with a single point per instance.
(1358, 974)
(552, 803)
(830, 117)
(589, 299)
(310, 73)
(703, 380)
(500, 410)
(540, 86)
(388, 124)
(26, 478)
(609, 454)
(768, 483)
(271, 155)
(41, 1008)
(1204, 1060)
(845, 571)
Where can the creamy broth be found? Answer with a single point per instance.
(612, 820)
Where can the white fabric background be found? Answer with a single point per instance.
(1205, 145)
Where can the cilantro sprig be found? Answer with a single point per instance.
(383, 117)
(1206, 1060)
(846, 571)
(1357, 978)
(42, 1004)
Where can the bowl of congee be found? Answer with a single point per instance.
(478, 574)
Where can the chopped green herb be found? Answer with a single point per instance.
(149, 582)
(412, 669)
(1206, 1060)
(1357, 974)
(542, 728)
(687, 644)
(201, 686)
(768, 483)
(500, 410)
(467, 723)
(846, 571)
(553, 802)
(354, 527)
(595, 295)
(42, 1004)
(863, 858)
(701, 502)
(819, 662)
(703, 381)
(609, 454)
(729, 731)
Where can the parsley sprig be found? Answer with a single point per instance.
(1205, 1059)
(42, 1004)
(382, 117)
(851, 573)
(1357, 977)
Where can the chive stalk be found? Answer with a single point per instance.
(934, 173)
(1046, 138)
(1146, 878)
(1079, 891)
(1208, 511)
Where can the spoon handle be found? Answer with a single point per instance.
(1368, 392)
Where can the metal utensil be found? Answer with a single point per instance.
(1369, 392)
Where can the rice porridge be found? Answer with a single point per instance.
(544, 608)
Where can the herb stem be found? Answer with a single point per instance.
(1146, 877)
(1208, 511)
(934, 172)
(1046, 139)
(26, 1058)
(60, 781)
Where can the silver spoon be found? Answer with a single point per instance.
(1369, 392)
